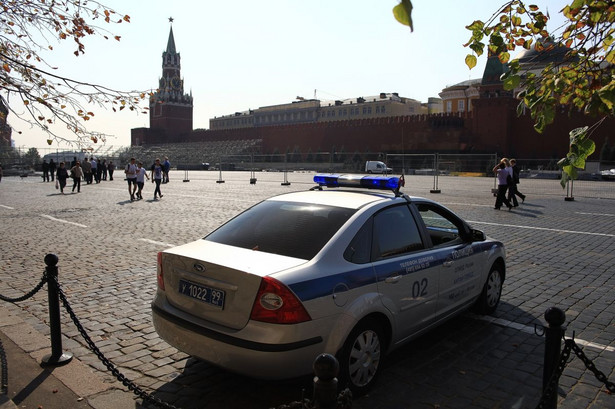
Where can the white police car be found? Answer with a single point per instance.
(351, 272)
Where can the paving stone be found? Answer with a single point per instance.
(110, 287)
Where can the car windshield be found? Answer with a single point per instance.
(290, 229)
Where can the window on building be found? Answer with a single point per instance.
(449, 106)
(461, 105)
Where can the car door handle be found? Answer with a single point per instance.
(392, 280)
(447, 263)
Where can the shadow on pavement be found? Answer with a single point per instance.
(466, 362)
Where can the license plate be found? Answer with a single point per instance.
(202, 293)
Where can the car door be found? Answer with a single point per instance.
(407, 275)
(459, 281)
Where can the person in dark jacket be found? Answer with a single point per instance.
(52, 169)
(513, 192)
(62, 175)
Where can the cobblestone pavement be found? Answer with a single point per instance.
(560, 253)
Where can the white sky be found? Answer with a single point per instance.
(244, 54)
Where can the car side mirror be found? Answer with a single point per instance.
(477, 235)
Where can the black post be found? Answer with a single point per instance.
(57, 357)
(553, 346)
(326, 368)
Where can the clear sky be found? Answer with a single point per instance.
(244, 54)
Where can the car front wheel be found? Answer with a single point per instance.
(492, 291)
(361, 357)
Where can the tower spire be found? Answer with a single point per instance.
(171, 42)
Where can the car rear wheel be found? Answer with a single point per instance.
(361, 357)
(492, 291)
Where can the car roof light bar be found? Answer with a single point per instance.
(360, 181)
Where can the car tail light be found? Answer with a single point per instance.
(275, 303)
(160, 274)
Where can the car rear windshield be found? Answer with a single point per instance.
(290, 229)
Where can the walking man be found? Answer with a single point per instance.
(166, 166)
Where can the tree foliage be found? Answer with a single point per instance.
(35, 91)
(583, 78)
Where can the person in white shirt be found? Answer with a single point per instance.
(131, 178)
(141, 175)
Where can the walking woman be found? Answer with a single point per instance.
(62, 175)
(157, 171)
(76, 172)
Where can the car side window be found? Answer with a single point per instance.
(360, 248)
(395, 233)
(442, 228)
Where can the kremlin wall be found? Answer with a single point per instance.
(486, 121)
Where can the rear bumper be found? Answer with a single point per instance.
(264, 360)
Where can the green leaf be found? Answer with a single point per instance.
(477, 25)
(403, 13)
(512, 82)
(471, 61)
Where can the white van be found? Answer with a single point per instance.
(376, 166)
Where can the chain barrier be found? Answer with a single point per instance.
(4, 372)
(28, 295)
(569, 346)
(108, 364)
(590, 365)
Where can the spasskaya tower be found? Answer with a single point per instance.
(170, 108)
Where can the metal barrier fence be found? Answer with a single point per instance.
(435, 165)
(325, 366)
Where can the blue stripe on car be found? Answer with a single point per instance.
(365, 274)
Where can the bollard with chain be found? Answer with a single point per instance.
(57, 357)
(326, 368)
(553, 345)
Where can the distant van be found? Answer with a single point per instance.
(376, 166)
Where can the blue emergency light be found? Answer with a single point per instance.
(350, 180)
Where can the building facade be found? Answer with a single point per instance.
(314, 111)
(5, 129)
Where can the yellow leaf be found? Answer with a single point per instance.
(6, 67)
(471, 61)
(403, 13)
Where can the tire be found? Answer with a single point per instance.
(362, 356)
(492, 291)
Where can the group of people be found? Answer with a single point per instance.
(136, 175)
(507, 173)
(49, 169)
(90, 171)
(95, 170)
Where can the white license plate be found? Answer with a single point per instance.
(202, 293)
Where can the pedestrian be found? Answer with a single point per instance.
(513, 191)
(52, 168)
(157, 172)
(45, 167)
(62, 175)
(131, 178)
(141, 175)
(74, 162)
(502, 175)
(94, 163)
(166, 166)
(76, 172)
(111, 168)
(86, 167)
(104, 169)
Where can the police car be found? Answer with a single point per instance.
(345, 268)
